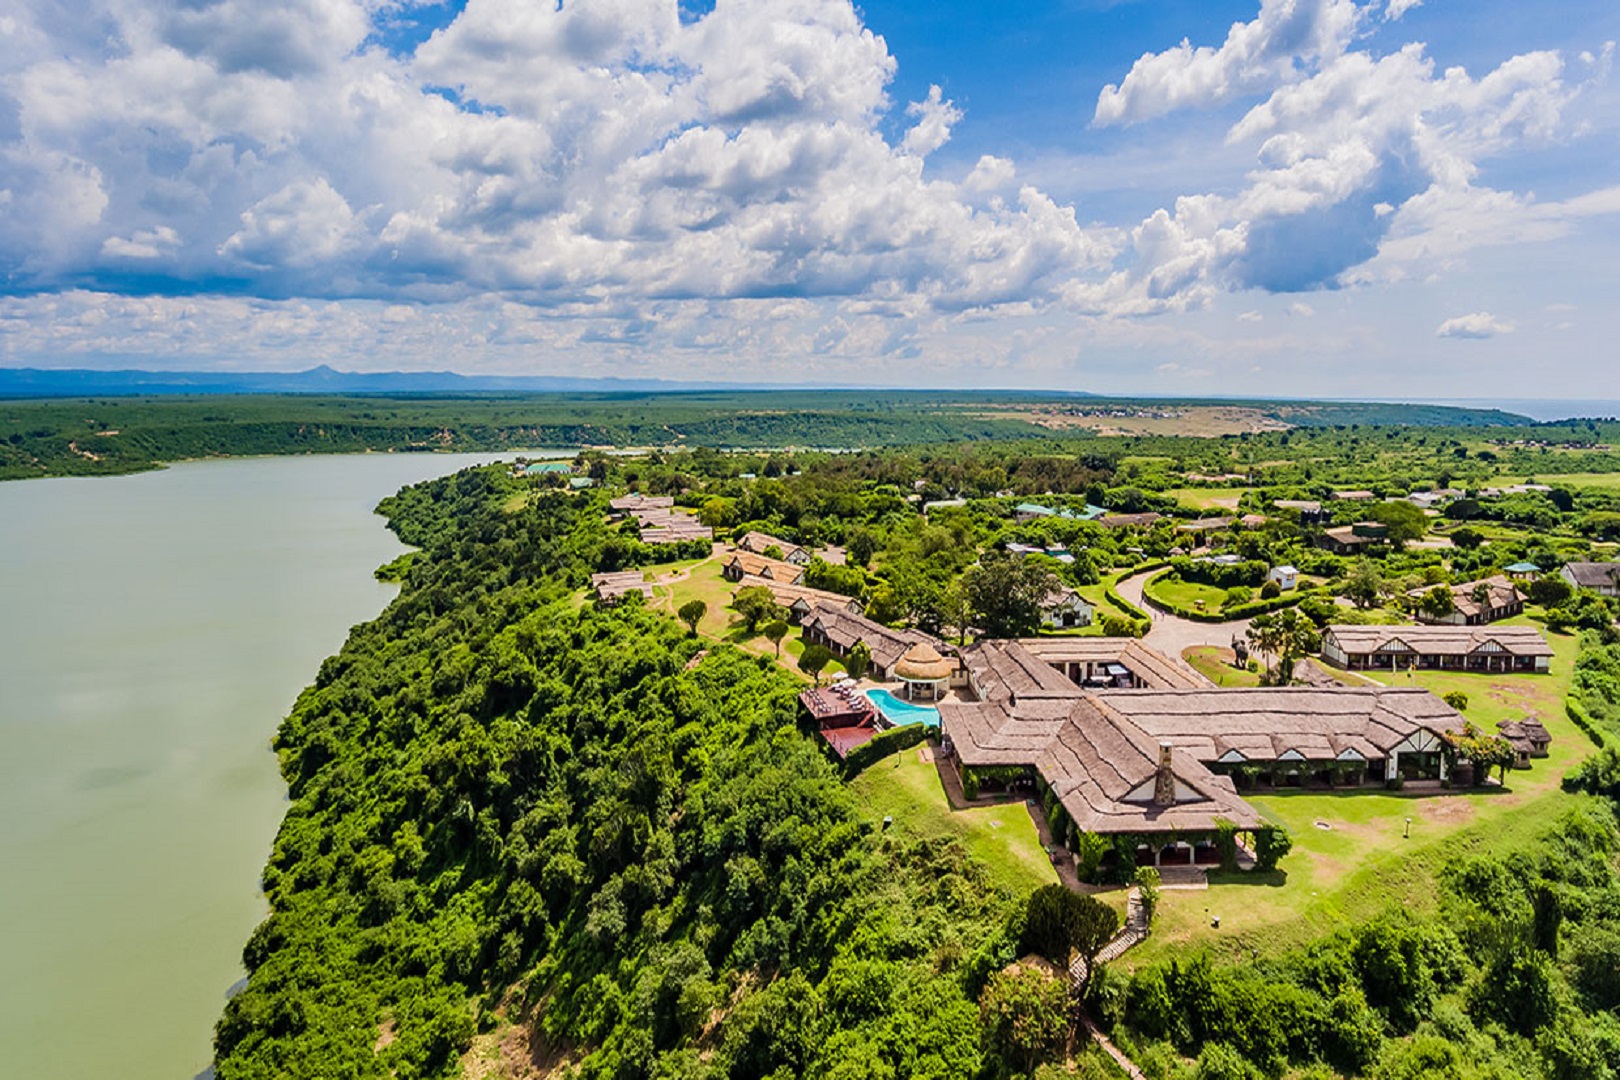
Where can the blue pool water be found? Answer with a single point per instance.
(900, 713)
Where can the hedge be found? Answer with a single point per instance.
(883, 745)
(1125, 605)
(1577, 713)
(1241, 611)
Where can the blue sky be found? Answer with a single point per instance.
(1304, 197)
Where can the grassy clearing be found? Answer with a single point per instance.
(1214, 663)
(1566, 480)
(907, 787)
(1210, 498)
(1190, 595)
(702, 579)
(1363, 864)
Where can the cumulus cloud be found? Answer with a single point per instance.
(1394, 9)
(1366, 150)
(1287, 35)
(618, 177)
(552, 153)
(1478, 325)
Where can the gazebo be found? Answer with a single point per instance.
(923, 666)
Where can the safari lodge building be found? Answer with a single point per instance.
(1153, 763)
(1496, 649)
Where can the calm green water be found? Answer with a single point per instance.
(154, 629)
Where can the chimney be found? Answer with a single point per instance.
(1164, 780)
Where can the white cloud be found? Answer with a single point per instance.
(611, 181)
(1251, 317)
(1394, 9)
(990, 173)
(1287, 35)
(143, 244)
(935, 118)
(550, 153)
(1478, 325)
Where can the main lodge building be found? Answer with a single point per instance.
(1135, 746)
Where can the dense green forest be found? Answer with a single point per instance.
(504, 805)
(516, 820)
(106, 436)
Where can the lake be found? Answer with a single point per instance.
(154, 630)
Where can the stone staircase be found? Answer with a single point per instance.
(1134, 930)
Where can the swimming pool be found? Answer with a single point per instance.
(900, 713)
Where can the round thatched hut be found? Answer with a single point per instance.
(922, 666)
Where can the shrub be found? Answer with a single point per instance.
(1270, 590)
(1271, 843)
(1456, 699)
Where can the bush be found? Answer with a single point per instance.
(1270, 590)
(1271, 843)
(1456, 699)
(1220, 1062)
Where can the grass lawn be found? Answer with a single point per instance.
(701, 579)
(1211, 498)
(1185, 594)
(1584, 479)
(908, 788)
(1362, 864)
(1213, 663)
(1096, 596)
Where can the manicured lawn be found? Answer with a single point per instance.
(1213, 663)
(1206, 498)
(1003, 837)
(1185, 594)
(1362, 864)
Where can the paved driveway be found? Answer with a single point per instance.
(1171, 633)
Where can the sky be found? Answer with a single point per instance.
(1390, 198)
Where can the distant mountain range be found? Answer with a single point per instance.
(77, 382)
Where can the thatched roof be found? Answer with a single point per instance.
(922, 663)
(1593, 575)
(1500, 593)
(1439, 640)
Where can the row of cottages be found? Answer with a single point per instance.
(1504, 649)
(671, 527)
(1474, 603)
(634, 503)
(1215, 524)
(612, 587)
(1160, 767)
(1602, 578)
(743, 564)
(1130, 521)
(799, 601)
(840, 630)
(759, 543)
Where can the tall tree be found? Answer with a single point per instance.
(691, 613)
(774, 632)
(1005, 593)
